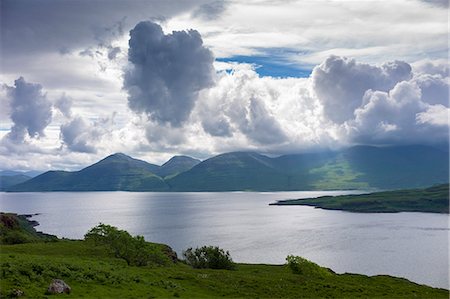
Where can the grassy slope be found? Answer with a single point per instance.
(434, 199)
(93, 273)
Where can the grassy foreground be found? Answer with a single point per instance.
(433, 200)
(93, 271)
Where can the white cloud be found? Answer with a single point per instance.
(398, 117)
(436, 115)
(313, 30)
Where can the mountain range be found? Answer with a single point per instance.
(359, 167)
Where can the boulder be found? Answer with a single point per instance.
(15, 293)
(58, 286)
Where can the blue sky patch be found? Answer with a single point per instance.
(271, 66)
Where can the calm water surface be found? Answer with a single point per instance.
(410, 245)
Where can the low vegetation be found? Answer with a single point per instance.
(302, 266)
(98, 267)
(208, 257)
(433, 200)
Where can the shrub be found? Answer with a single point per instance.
(299, 265)
(208, 257)
(134, 250)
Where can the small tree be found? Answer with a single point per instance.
(134, 250)
(209, 257)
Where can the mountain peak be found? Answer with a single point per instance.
(180, 159)
(177, 164)
(118, 156)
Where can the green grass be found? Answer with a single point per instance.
(92, 272)
(336, 175)
(434, 200)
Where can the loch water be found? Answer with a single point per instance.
(410, 245)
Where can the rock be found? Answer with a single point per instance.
(58, 286)
(167, 250)
(17, 293)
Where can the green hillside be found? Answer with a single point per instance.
(360, 167)
(434, 200)
(231, 172)
(94, 270)
(115, 172)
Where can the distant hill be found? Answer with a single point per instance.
(30, 174)
(231, 171)
(115, 172)
(7, 181)
(360, 167)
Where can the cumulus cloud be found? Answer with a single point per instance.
(389, 105)
(399, 116)
(166, 72)
(340, 83)
(77, 136)
(80, 135)
(31, 111)
(265, 111)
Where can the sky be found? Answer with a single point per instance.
(80, 80)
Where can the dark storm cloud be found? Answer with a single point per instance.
(31, 111)
(439, 3)
(113, 52)
(51, 25)
(340, 83)
(167, 72)
(216, 125)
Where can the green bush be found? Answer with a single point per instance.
(134, 250)
(209, 257)
(302, 266)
